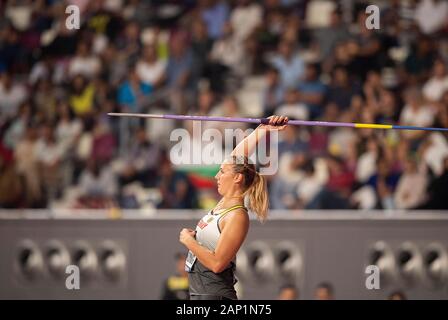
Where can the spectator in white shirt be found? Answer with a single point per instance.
(16, 130)
(437, 84)
(12, 95)
(84, 63)
(27, 166)
(228, 51)
(150, 69)
(366, 166)
(411, 189)
(434, 150)
(431, 15)
(415, 113)
(315, 177)
(246, 16)
(68, 128)
(293, 108)
(49, 155)
(98, 182)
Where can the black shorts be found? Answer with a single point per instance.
(207, 285)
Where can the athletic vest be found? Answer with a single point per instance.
(208, 232)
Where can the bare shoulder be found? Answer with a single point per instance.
(238, 216)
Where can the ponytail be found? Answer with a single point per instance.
(258, 197)
(255, 187)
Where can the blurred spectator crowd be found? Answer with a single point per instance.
(306, 59)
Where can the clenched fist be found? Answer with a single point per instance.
(186, 235)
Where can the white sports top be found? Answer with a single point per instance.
(208, 232)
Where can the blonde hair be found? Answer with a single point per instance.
(254, 186)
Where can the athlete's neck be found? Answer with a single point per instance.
(231, 200)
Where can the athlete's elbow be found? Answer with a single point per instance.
(219, 267)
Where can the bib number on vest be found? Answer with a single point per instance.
(189, 262)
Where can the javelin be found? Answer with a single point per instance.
(266, 121)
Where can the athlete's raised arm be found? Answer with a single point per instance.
(247, 146)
